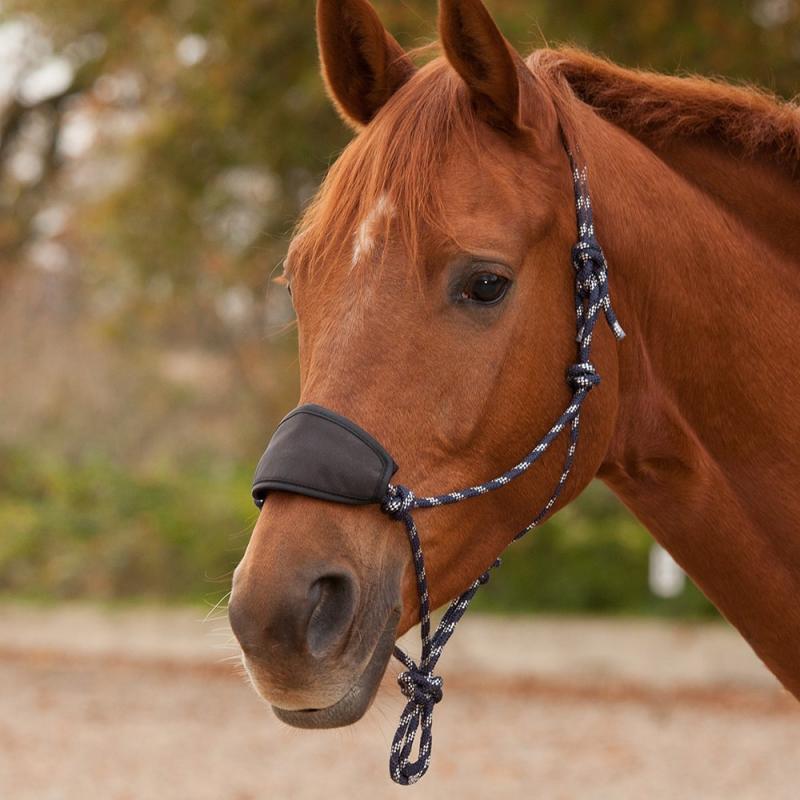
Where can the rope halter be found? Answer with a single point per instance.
(418, 683)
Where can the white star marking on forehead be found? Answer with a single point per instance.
(364, 237)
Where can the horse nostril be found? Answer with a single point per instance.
(332, 599)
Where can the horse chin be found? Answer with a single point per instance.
(355, 702)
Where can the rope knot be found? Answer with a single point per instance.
(589, 263)
(398, 501)
(582, 376)
(591, 285)
(424, 689)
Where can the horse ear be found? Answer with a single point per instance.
(362, 64)
(483, 58)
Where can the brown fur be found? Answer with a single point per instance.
(362, 64)
(697, 204)
(488, 65)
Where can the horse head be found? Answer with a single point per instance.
(434, 291)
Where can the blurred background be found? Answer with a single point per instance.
(153, 158)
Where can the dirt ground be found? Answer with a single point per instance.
(146, 703)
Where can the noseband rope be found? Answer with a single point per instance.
(319, 453)
(418, 683)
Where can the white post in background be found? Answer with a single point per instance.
(665, 577)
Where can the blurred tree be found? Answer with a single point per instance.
(755, 41)
(39, 82)
(157, 153)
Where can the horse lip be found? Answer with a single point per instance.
(355, 702)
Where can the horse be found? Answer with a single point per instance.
(433, 287)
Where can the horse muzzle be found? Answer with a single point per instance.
(315, 630)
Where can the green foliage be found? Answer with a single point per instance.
(591, 557)
(90, 528)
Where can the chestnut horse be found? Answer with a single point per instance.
(434, 294)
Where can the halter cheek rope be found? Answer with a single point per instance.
(319, 453)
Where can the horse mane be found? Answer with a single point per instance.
(396, 158)
(657, 108)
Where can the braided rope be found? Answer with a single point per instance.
(418, 683)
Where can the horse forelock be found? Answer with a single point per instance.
(387, 181)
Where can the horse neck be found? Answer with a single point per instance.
(703, 253)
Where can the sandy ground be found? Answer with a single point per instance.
(143, 704)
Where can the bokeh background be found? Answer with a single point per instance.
(153, 157)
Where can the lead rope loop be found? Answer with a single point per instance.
(418, 683)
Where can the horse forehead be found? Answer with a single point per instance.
(476, 219)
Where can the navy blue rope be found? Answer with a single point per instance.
(418, 683)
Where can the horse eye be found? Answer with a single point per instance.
(485, 287)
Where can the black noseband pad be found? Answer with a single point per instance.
(319, 453)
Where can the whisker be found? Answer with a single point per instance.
(217, 604)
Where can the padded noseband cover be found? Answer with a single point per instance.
(319, 453)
